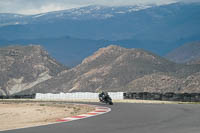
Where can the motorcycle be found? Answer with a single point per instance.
(105, 98)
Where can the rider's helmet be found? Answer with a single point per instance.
(106, 93)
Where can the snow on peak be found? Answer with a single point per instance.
(39, 15)
(101, 12)
(90, 12)
(138, 8)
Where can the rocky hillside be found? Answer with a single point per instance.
(160, 82)
(188, 53)
(22, 67)
(114, 68)
(196, 61)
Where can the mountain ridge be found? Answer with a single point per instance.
(71, 51)
(188, 53)
(115, 69)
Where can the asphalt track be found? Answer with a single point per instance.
(131, 118)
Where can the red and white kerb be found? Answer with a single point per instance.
(98, 111)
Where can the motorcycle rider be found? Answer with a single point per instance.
(105, 98)
(103, 95)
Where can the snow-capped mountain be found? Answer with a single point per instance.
(83, 13)
(90, 12)
(155, 28)
(111, 23)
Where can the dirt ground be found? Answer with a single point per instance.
(25, 114)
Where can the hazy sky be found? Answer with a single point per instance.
(41, 6)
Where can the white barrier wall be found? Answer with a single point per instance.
(77, 96)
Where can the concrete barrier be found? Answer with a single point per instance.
(77, 96)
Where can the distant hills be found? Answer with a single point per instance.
(158, 29)
(188, 53)
(71, 51)
(114, 68)
(22, 67)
